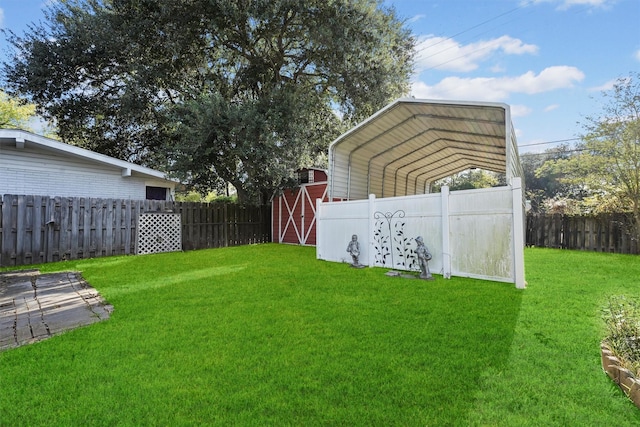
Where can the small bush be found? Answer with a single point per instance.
(622, 319)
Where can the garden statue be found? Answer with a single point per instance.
(423, 259)
(354, 249)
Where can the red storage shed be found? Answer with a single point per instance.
(293, 211)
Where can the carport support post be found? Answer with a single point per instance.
(318, 227)
(372, 225)
(518, 232)
(446, 243)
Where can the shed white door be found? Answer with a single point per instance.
(294, 214)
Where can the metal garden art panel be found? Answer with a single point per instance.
(390, 242)
(159, 232)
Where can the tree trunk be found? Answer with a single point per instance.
(243, 195)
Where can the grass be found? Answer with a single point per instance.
(268, 335)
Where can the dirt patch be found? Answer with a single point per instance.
(36, 306)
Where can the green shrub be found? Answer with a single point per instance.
(622, 319)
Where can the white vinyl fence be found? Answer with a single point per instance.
(470, 233)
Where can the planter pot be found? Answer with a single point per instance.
(624, 378)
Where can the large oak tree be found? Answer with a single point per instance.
(238, 91)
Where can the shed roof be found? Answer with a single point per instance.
(411, 143)
(22, 138)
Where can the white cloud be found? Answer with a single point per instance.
(416, 18)
(637, 55)
(551, 107)
(499, 88)
(447, 54)
(520, 110)
(604, 87)
(566, 4)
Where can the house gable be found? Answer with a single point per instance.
(33, 164)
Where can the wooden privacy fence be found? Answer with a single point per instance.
(39, 229)
(602, 233)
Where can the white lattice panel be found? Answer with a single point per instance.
(159, 232)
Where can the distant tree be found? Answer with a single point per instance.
(608, 165)
(189, 196)
(239, 91)
(14, 113)
(184, 195)
(544, 185)
(561, 205)
(470, 179)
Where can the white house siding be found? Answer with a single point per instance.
(32, 171)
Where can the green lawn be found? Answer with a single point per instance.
(268, 335)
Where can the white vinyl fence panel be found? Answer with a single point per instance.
(481, 233)
(342, 219)
(470, 233)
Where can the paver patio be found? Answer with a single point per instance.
(36, 306)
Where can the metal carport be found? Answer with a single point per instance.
(411, 143)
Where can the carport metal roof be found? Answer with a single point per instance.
(411, 143)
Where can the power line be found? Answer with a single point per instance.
(549, 142)
(471, 28)
(465, 31)
(474, 27)
(568, 151)
(574, 150)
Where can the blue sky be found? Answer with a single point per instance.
(548, 59)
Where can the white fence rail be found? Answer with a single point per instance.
(471, 233)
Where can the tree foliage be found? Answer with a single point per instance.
(470, 179)
(241, 91)
(14, 113)
(545, 184)
(607, 165)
